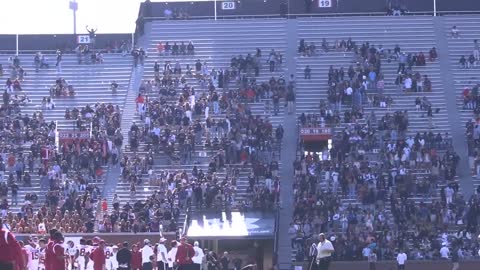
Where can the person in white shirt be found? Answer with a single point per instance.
(401, 260)
(408, 84)
(198, 257)
(147, 255)
(444, 252)
(33, 251)
(172, 254)
(162, 255)
(324, 252)
(42, 245)
(449, 194)
(72, 252)
(112, 262)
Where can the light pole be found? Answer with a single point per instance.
(74, 7)
(215, 8)
(434, 8)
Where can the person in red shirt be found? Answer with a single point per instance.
(160, 48)
(10, 252)
(139, 100)
(57, 253)
(136, 258)
(48, 249)
(184, 255)
(98, 256)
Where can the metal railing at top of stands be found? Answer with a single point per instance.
(277, 230)
(185, 222)
(100, 234)
(300, 15)
(47, 52)
(12, 52)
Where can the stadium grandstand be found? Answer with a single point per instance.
(244, 134)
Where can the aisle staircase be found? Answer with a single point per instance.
(469, 30)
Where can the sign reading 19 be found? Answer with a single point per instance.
(325, 3)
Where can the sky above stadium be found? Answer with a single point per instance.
(55, 17)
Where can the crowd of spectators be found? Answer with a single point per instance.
(157, 213)
(348, 196)
(378, 188)
(86, 55)
(62, 88)
(182, 48)
(69, 174)
(176, 14)
(182, 120)
(19, 132)
(470, 98)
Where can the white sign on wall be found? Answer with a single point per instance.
(83, 39)
(229, 5)
(325, 3)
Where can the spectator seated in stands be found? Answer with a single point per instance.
(114, 86)
(396, 9)
(47, 103)
(62, 89)
(432, 54)
(305, 49)
(190, 48)
(179, 14)
(455, 32)
(463, 62)
(13, 86)
(471, 62)
(324, 45)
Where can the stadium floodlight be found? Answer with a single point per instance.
(73, 5)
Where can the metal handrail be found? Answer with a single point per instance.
(101, 233)
(276, 233)
(295, 15)
(185, 222)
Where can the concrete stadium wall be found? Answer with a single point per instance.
(52, 42)
(272, 7)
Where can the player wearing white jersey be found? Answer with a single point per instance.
(108, 252)
(72, 254)
(41, 254)
(33, 256)
(84, 251)
(111, 263)
(32, 252)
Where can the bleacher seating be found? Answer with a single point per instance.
(215, 43)
(91, 84)
(412, 34)
(463, 77)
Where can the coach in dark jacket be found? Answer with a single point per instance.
(124, 256)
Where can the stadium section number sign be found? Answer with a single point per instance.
(229, 5)
(83, 39)
(315, 134)
(315, 131)
(325, 3)
(71, 135)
